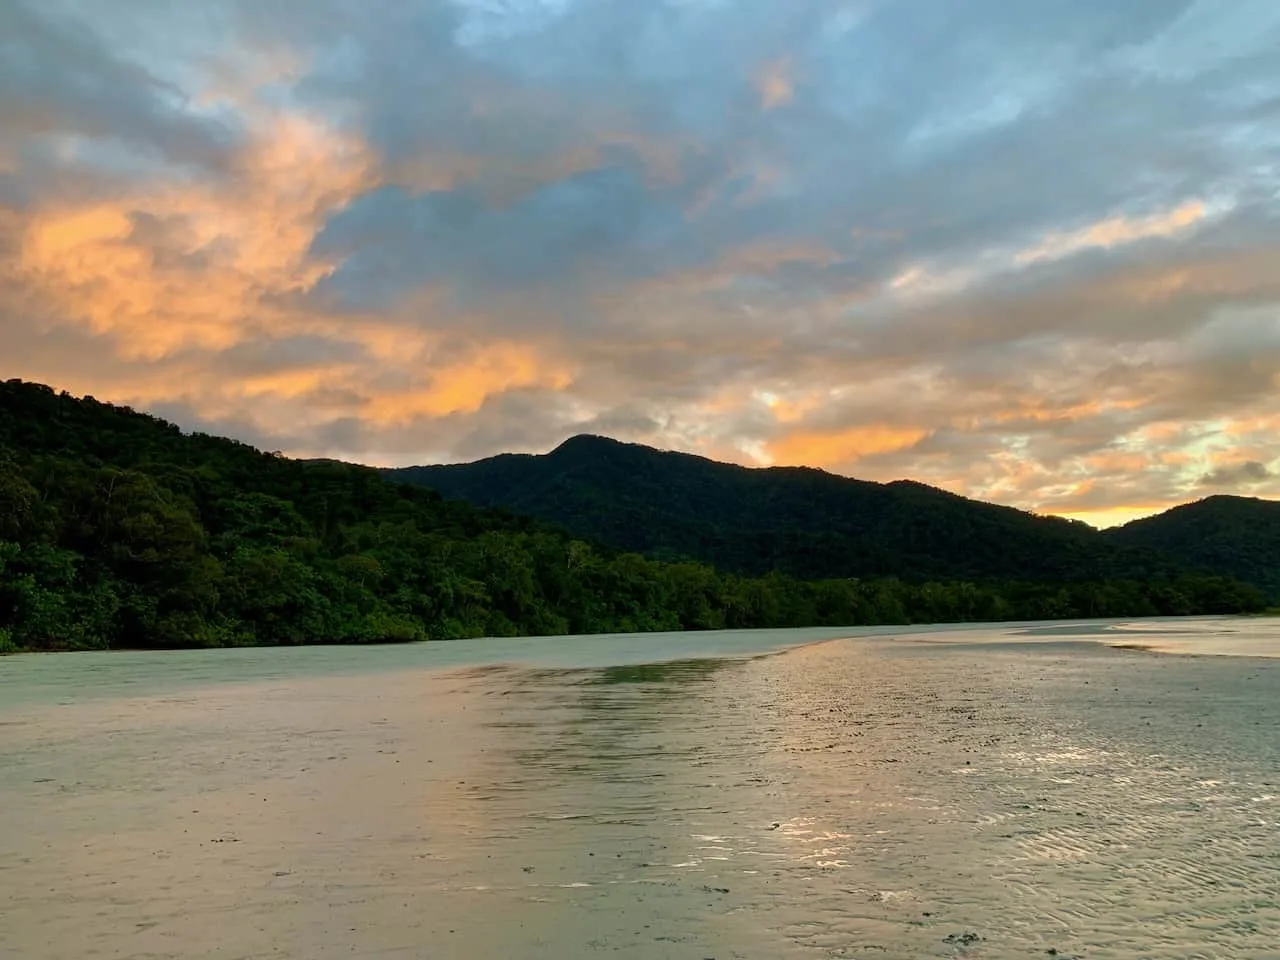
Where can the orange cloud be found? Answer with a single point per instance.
(775, 84)
(291, 384)
(1161, 432)
(229, 255)
(1114, 231)
(921, 282)
(829, 449)
(172, 273)
(794, 406)
(462, 387)
(1118, 461)
(1243, 426)
(1040, 411)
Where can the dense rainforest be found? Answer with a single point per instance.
(119, 530)
(1233, 536)
(812, 524)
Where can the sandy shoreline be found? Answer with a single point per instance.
(884, 797)
(28, 678)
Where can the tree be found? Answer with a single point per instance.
(116, 529)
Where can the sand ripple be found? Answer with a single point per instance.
(858, 799)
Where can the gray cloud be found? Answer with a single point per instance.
(929, 159)
(597, 226)
(60, 79)
(1239, 475)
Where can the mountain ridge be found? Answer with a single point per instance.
(587, 442)
(592, 441)
(120, 530)
(802, 521)
(1222, 534)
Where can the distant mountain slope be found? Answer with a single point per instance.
(1234, 536)
(801, 521)
(119, 530)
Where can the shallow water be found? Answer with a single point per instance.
(987, 794)
(74, 678)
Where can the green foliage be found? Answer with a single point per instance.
(1232, 536)
(799, 521)
(117, 530)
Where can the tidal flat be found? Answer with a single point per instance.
(985, 792)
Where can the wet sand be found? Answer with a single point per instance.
(925, 795)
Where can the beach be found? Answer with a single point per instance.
(1012, 791)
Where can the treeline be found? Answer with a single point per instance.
(117, 530)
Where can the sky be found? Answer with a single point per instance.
(1027, 252)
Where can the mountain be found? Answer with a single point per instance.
(119, 530)
(1232, 536)
(798, 520)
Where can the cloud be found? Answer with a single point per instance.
(776, 84)
(843, 446)
(67, 95)
(1022, 251)
(1238, 475)
(1113, 232)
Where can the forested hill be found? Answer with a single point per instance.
(801, 521)
(119, 530)
(1234, 536)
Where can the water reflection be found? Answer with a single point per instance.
(848, 800)
(840, 800)
(668, 674)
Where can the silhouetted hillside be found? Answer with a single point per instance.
(1234, 536)
(801, 521)
(119, 530)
